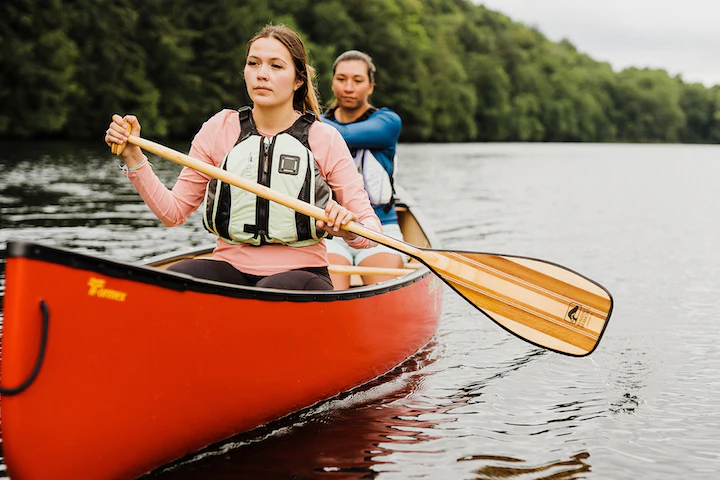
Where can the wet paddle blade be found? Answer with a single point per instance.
(541, 302)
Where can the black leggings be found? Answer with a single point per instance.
(309, 278)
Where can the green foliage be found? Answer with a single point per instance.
(112, 70)
(453, 70)
(37, 68)
(702, 113)
(647, 106)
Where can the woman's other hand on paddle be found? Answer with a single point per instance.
(117, 133)
(337, 217)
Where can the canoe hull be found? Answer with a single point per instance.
(143, 366)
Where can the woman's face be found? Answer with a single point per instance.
(351, 85)
(270, 73)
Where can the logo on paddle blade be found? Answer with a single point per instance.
(577, 314)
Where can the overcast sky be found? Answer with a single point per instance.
(680, 37)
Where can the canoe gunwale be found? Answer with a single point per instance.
(182, 282)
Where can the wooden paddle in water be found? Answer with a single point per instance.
(541, 302)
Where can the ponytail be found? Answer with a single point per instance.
(308, 99)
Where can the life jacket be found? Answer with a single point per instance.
(283, 163)
(379, 184)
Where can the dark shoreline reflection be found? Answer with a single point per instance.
(560, 470)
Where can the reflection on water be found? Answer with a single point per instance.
(505, 467)
(367, 434)
(355, 434)
(477, 403)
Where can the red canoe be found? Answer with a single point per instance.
(129, 367)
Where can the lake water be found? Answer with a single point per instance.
(477, 403)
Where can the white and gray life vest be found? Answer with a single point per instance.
(283, 163)
(378, 183)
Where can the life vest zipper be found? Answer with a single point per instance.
(263, 206)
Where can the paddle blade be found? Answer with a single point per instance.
(541, 302)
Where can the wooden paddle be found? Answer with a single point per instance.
(541, 302)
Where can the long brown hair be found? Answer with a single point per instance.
(305, 97)
(353, 55)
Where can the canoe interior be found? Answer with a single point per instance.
(411, 229)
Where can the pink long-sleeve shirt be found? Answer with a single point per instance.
(211, 144)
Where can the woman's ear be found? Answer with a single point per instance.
(298, 84)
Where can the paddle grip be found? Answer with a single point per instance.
(117, 148)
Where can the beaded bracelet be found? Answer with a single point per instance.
(127, 169)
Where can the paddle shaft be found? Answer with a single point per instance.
(360, 270)
(272, 195)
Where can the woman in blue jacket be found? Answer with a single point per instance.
(372, 136)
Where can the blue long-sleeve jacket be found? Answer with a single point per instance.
(379, 132)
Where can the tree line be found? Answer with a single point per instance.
(453, 70)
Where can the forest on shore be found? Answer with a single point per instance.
(454, 71)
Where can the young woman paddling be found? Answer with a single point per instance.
(372, 135)
(277, 143)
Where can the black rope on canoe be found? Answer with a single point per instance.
(41, 355)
